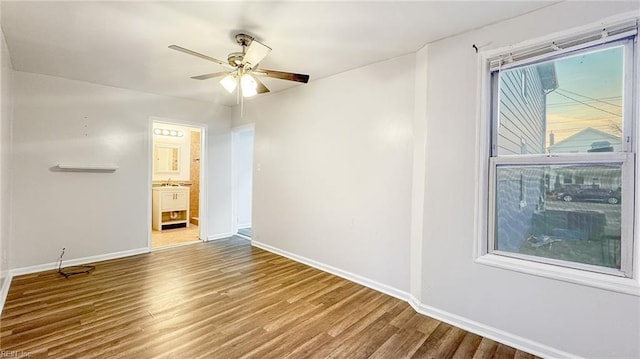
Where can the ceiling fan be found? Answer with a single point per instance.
(243, 68)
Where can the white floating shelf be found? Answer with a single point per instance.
(86, 168)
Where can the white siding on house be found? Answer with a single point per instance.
(519, 194)
(522, 118)
(522, 112)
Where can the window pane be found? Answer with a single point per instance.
(564, 212)
(569, 105)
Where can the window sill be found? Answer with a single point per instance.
(576, 276)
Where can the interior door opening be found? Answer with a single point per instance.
(243, 181)
(176, 184)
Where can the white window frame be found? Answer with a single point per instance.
(626, 279)
(625, 160)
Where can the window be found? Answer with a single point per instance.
(561, 153)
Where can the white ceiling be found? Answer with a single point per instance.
(124, 44)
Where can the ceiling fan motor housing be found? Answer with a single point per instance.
(235, 58)
(244, 39)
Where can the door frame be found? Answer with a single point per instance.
(203, 205)
(235, 135)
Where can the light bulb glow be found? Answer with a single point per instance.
(229, 83)
(249, 85)
(168, 132)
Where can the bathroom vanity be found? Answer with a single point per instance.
(170, 206)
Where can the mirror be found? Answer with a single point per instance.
(167, 158)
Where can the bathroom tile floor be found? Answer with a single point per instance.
(170, 237)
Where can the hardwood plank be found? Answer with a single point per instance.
(284, 340)
(421, 323)
(486, 349)
(504, 352)
(468, 346)
(522, 355)
(403, 344)
(310, 347)
(220, 299)
(364, 341)
(442, 343)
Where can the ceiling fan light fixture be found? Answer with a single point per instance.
(229, 83)
(242, 65)
(249, 85)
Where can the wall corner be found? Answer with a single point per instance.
(418, 175)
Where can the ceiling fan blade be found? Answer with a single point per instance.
(212, 75)
(261, 87)
(283, 75)
(187, 51)
(256, 52)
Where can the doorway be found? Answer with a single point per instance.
(176, 184)
(242, 169)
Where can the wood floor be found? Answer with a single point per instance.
(222, 299)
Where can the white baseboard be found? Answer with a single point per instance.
(6, 283)
(219, 236)
(492, 333)
(77, 261)
(336, 271)
(244, 225)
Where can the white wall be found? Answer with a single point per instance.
(573, 318)
(332, 170)
(184, 145)
(6, 113)
(243, 166)
(59, 120)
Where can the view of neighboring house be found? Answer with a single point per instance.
(588, 140)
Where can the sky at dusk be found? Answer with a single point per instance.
(589, 94)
